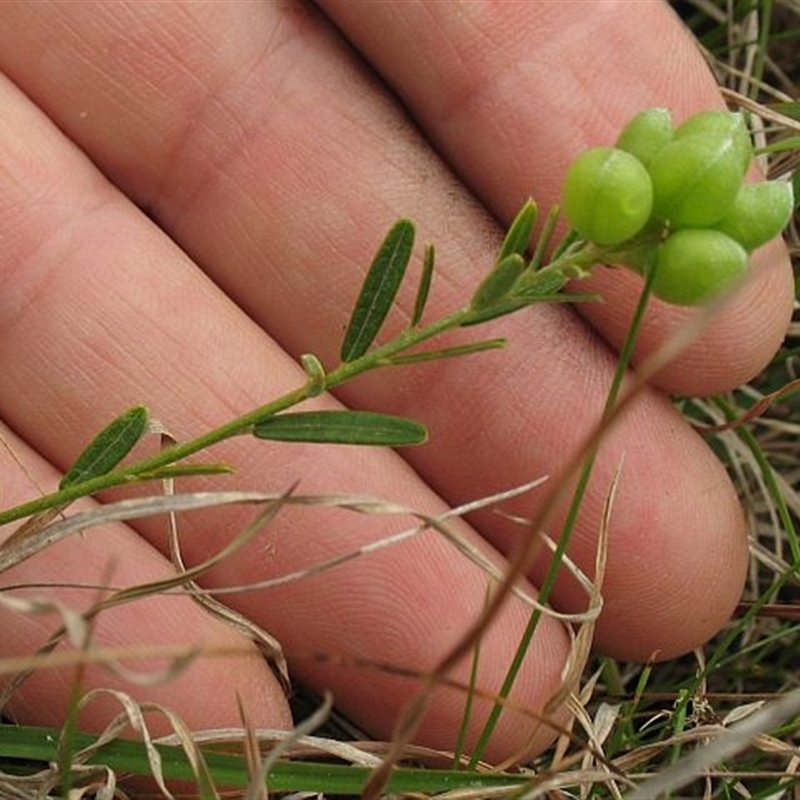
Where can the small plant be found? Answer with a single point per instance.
(669, 203)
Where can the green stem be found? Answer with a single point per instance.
(572, 263)
(535, 285)
(569, 526)
(139, 470)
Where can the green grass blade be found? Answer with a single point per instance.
(20, 746)
(578, 495)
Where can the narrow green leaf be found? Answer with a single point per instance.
(315, 373)
(790, 109)
(379, 290)
(566, 242)
(519, 234)
(781, 146)
(108, 448)
(342, 427)
(185, 471)
(545, 237)
(446, 352)
(498, 283)
(424, 288)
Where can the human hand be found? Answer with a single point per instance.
(271, 160)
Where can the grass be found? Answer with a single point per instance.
(723, 722)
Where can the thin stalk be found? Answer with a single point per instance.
(548, 584)
(570, 264)
(241, 425)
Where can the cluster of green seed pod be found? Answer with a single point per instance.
(676, 198)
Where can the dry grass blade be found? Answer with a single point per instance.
(24, 787)
(109, 657)
(298, 746)
(127, 510)
(140, 507)
(368, 505)
(730, 742)
(74, 624)
(257, 786)
(753, 412)
(133, 716)
(267, 644)
(24, 536)
(76, 629)
(123, 510)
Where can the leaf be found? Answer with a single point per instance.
(545, 237)
(379, 290)
(498, 283)
(790, 109)
(342, 427)
(519, 234)
(315, 373)
(781, 146)
(424, 287)
(446, 352)
(184, 471)
(108, 448)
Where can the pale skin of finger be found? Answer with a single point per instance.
(395, 607)
(224, 164)
(517, 77)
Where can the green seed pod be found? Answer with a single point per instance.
(759, 213)
(723, 124)
(696, 179)
(608, 195)
(647, 133)
(695, 264)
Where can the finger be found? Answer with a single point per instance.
(106, 312)
(229, 166)
(173, 627)
(511, 92)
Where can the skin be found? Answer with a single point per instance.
(190, 195)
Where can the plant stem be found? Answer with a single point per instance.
(569, 525)
(139, 470)
(534, 286)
